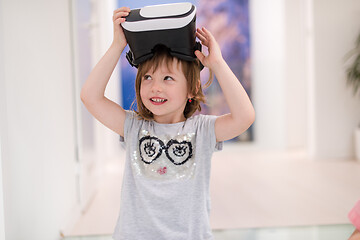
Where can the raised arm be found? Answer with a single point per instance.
(92, 93)
(242, 113)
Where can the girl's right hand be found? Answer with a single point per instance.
(118, 18)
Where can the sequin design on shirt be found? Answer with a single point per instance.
(165, 157)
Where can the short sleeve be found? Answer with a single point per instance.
(131, 119)
(354, 215)
(206, 129)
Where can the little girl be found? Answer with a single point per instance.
(165, 191)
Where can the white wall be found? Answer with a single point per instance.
(278, 67)
(38, 160)
(295, 84)
(336, 24)
(2, 111)
(300, 94)
(2, 217)
(268, 58)
(108, 141)
(93, 34)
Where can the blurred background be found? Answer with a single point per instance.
(61, 170)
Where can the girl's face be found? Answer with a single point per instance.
(164, 93)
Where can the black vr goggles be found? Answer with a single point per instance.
(171, 25)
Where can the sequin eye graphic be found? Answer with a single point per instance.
(177, 152)
(150, 149)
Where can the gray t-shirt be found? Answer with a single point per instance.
(165, 191)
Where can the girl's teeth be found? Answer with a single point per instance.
(158, 100)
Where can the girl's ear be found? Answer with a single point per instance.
(198, 85)
(197, 88)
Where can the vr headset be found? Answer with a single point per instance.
(171, 25)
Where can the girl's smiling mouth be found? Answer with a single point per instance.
(157, 100)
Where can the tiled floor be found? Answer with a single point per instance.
(264, 194)
(326, 232)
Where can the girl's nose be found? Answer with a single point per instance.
(156, 86)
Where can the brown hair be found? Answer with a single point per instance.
(191, 72)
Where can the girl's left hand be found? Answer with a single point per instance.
(208, 40)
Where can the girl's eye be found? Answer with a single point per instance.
(147, 77)
(168, 78)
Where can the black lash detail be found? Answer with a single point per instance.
(149, 148)
(179, 151)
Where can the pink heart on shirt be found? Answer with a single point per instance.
(162, 171)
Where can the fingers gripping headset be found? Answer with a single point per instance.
(171, 25)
